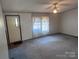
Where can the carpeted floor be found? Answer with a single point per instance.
(49, 47)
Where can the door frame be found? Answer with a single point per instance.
(7, 33)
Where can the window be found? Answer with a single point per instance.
(40, 25)
(45, 24)
(36, 25)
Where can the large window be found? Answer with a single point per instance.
(40, 25)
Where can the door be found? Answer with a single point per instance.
(13, 28)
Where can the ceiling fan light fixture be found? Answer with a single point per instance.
(55, 11)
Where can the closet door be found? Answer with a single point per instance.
(13, 27)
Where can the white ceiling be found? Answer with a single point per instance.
(36, 5)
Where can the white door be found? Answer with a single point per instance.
(13, 28)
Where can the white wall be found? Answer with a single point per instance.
(69, 22)
(3, 40)
(54, 23)
(26, 23)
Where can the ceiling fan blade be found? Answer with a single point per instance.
(43, 2)
(57, 1)
(49, 7)
(64, 4)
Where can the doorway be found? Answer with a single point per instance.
(13, 29)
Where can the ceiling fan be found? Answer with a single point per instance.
(54, 5)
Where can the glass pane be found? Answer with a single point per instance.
(36, 25)
(45, 24)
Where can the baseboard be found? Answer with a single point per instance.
(51, 35)
(69, 35)
(41, 36)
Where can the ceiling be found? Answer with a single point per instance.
(36, 5)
